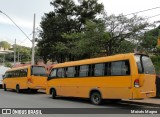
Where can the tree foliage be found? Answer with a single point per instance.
(24, 53)
(121, 28)
(5, 45)
(116, 34)
(77, 31)
(149, 41)
(67, 18)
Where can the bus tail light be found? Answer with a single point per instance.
(29, 80)
(136, 83)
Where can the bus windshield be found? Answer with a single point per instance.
(144, 64)
(38, 71)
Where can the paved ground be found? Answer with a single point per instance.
(11, 99)
(154, 101)
(41, 100)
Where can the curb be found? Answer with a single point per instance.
(142, 103)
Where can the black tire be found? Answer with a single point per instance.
(34, 90)
(4, 87)
(95, 98)
(18, 89)
(54, 94)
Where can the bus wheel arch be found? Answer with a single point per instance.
(95, 96)
(53, 93)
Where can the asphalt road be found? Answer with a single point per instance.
(11, 99)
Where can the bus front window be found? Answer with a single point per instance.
(38, 71)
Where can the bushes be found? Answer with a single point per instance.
(156, 62)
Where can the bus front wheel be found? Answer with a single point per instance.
(95, 98)
(54, 93)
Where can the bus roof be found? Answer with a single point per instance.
(17, 68)
(94, 60)
(23, 67)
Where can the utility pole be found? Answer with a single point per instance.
(15, 52)
(18, 55)
(33, 40)
(4, 59)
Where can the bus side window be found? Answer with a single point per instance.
(120, 68)
(60, 73)
(127, 65)
(21, 73)
(53, 73)
(99, 69)
(6, 75)
(13, 74)
(70, 72)
(9, 75)
(84, 71)
(25, 72)
(17, 74)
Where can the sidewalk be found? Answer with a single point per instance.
(148, 101)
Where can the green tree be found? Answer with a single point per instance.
(121, 28)
(149, 41)
(68, 18)
(89, 42)
(117, 34)
(24, 53)
(8, 64)
(5, 45)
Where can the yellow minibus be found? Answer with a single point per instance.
(123, 76)
(26, 77)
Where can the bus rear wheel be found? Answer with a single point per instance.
(4, 87)
(34, 90)
(54, 94)
(18, 89)
(95, 98)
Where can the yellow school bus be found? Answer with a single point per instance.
(26, 77)
(123, 76)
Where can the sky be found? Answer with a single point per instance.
(22, 12)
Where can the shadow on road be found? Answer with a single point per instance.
(105, 103)
(25, 92)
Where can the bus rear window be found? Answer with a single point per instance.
(148, 65)
(144, 64)
(38, 71)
